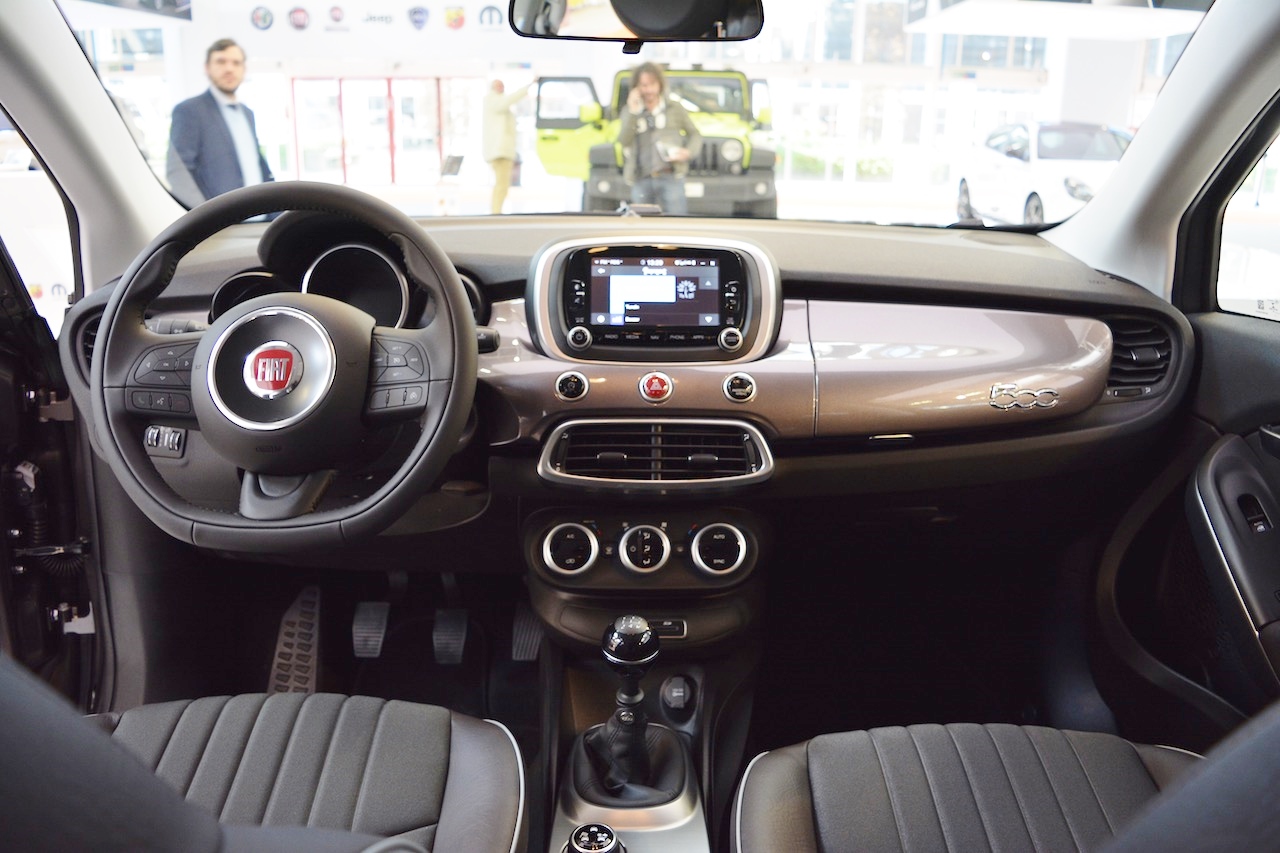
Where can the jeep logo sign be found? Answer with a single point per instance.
(273, 370)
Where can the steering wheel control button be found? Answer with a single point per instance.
(570, 549)
(273, 370)
(656, 387)
(163, 441)
(730, 339)
(644, 548)
(740, 387)
(166, 366)
(572, 385)
(719, 549)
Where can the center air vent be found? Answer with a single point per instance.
(655, 454)
(1141, 351)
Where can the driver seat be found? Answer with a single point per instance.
(281, 772)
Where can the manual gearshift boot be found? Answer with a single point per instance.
(619, 770)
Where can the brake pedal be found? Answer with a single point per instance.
(449, 635)
(369, 628)
(526, 634)
(296, 666)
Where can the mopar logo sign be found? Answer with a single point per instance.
(490, 17)
(272, 370)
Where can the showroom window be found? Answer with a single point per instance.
(1249, 260)
(33, 225)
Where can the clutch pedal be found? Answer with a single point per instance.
(296, 666)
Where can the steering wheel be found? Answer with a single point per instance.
(283, 386)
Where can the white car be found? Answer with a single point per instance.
(1037, 173)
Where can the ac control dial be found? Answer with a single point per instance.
(570, 549)
(719, 548)
(644, 548)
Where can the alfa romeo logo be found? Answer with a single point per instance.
(273, 370)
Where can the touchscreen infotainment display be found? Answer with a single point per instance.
(655, 293)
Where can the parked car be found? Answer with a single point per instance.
(491, 533)
(1037, 173)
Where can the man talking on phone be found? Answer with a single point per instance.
(658, 140)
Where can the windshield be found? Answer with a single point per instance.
(921, 112)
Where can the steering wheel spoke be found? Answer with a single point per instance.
(272, 497)
(399, 375)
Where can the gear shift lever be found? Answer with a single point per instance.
(630, 647)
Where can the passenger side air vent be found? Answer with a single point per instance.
(655, 454)
(1141, 351)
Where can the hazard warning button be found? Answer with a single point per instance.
(655, 387)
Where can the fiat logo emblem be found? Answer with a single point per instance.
(272, 370)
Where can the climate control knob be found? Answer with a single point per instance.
(719, 549)
(569, 549)
(644, 548)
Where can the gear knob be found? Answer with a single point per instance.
(630, 647)
(629, 642)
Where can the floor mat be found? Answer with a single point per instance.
(408, 670)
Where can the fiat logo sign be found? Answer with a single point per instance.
(272, 370)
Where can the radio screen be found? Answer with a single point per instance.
(655, 293)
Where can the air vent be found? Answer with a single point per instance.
(1141, 351)
(88, 338)
(656, 454)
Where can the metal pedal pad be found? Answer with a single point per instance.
(449, 635)
(369, 628)
(526, 634)
(296, 667)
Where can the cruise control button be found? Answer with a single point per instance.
(398, 374)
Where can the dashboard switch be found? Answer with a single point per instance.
(572, 385)
(730, 339)
(644, 548)
(579, 337)
(655, 387)
(570, 548)
(740, 387)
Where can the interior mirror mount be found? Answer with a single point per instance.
(634, 22)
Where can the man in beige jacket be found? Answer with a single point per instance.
(500, 137)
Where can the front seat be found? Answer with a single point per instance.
(1000, 787)
(285, 772)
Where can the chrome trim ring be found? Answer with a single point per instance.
(391, 264)
(546, 549)
(611, 659)
(586, 386)
(327, 368)
(758, 267)
(626, 561)
(697, 555)
(724, 387)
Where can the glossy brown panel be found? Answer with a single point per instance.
(888, 369)
(784, 377)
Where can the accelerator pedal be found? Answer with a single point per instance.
(296, 667)
(449, 635)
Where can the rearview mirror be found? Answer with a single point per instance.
(638, 20)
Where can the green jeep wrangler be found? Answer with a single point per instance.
(730, 176)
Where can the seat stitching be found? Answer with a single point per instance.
(1017, 796)
(168, 742)
(324, 765)
(1111, 827)
(1075, 839)
(364, 771)
(964, 765)
(288, 742)
(893, 803)
(208, 736)
(240, 759)
(933, 793)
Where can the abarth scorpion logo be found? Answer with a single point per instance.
(1007, 397)
(273, 370)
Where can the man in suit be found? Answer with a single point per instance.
(213, 141)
